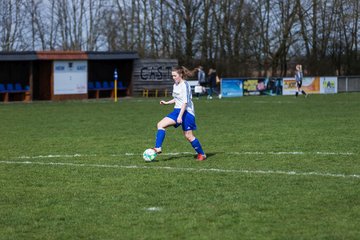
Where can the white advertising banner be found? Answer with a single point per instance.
(328, 85)
(70, 77)
(289, 86)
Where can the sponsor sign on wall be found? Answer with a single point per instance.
(70, 77)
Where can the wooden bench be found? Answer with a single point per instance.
(105, 87)
(17, 93)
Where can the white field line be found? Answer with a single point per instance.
(291, 153)
(76, 155)
(153, 209)
(212, 170)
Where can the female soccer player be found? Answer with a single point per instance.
(183, 113)
(299, 78)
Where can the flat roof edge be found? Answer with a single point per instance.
(67, 55)
(112, 55)
(17, 56)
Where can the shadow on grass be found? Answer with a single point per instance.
(175, 157)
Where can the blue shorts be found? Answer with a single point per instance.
(188, 120)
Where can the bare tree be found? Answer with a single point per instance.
(12, 25)
(188, 13)
(349, 33)
(94, 14)
(121, 24)
(165, 29)
(70, 17)
(37, 23)
(318, 25)
(245, 37)
(284, 17)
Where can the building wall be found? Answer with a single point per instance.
(152, 74)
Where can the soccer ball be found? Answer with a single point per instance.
(149, 155)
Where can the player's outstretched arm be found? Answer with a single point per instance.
(172, 101)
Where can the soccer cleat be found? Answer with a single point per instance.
(157, 150)
(201, 157)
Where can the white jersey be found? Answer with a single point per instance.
(182, 94)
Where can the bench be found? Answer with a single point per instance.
(196, 88)
(146, 92)
(11, 92)
(193, 84)
(105, 86)
(155, 91)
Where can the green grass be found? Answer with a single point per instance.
(278, 168)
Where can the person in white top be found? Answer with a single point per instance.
(183, 113)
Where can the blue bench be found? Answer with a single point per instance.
(14, 89)
(105, 86)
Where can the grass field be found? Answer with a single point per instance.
(277, 168)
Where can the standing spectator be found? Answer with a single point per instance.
(201, 79)
(212, 83)
(299, 77)
(278, 85)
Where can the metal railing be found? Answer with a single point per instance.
(349, 84)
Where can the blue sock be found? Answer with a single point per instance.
(160, 136)
(197, 146)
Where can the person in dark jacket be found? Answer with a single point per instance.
(212, 83)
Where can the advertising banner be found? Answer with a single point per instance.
(309, 85)
(277, 86)
(70, 77)
(328, 85)
(263, 86)
(231, 87)
(253, 86)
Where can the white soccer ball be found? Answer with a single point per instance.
(149, 155)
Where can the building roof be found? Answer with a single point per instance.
(112, 55)
(61, 55)
(18, 56)
(67, 55)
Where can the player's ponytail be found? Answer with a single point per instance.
(184, 72)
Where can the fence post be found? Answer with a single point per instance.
(346, 84)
